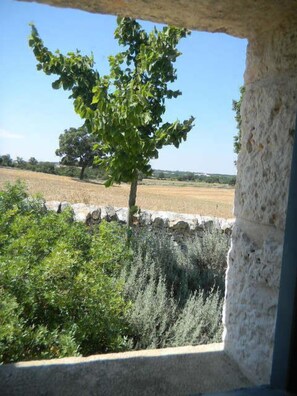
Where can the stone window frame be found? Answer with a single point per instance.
(284, 364)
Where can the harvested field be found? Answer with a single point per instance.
(152, 194)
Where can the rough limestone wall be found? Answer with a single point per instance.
(181, 227)
(268, 120)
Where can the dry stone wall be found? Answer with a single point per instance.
(180, 226)
(268, 121)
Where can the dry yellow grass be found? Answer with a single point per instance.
(175, 197)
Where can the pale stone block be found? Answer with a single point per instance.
(53, 205)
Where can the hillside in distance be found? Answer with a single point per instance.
(195, 176)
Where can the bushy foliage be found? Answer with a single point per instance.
(199, 322)
(176, 294)
(152, 313)
(59, 292)
(67, 290)
(207, 257)
(6, 160)
(159, 251)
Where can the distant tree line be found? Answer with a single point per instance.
(192, 176)
(51, 167)
(97, 173)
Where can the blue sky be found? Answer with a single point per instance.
(33, 115)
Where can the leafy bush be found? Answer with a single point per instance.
(66, 289)
(60, 294)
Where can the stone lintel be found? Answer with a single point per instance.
(240, 18)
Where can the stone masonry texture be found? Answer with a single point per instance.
(180, 227)
(268, 121)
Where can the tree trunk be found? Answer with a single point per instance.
(132, 201)
(82, 171)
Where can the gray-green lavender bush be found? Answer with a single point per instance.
(176, 294)
(207, 256)
(199, 322)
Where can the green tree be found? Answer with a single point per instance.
(20, 162)
(77, 148)
(6, 160)
(33, 161)
(125, 108)
(236, 105)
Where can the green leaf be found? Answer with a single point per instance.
(57, 84)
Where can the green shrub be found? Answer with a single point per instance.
(199, 322)
(176, 295)
(60, 292)
(109, 249)
(66, 289)
(152, 310)
(14, 194)
(11, 327)
(169, 260)
(207, 257)
(158, 320)
(201, 265)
